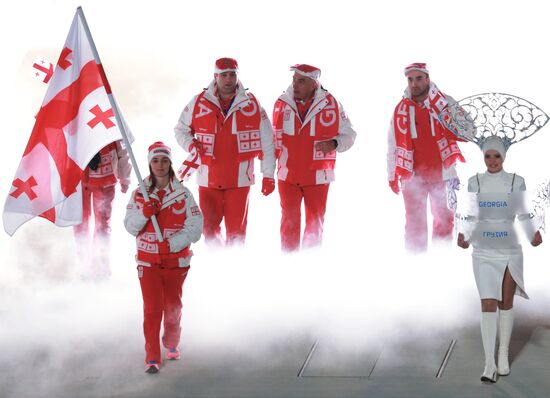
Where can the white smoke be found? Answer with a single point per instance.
(361, 288)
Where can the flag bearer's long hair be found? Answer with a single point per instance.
(171, 174)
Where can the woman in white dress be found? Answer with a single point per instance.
(497, 255)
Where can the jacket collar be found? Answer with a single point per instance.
(407, 92)
(173, 185)
(241, 97)
(319, 102)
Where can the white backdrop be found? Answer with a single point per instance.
(158, 56)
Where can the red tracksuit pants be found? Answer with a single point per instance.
(161, 287)
(315, 203)
(230, 205)
(94, 252)
(416, 192)
(102, 201)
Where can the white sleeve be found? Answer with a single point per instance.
(346, 133)
(124, 168)
(468, 223)
(268, 147)
(183, 130)
(391, 152)
(473, 185)
(134, 221)
(192, 228)
(527, 223)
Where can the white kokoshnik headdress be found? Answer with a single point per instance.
(481, 116)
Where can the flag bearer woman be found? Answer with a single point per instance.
(162, 265)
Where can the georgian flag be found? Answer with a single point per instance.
(74, 122)
(42, 69)
(189, 165)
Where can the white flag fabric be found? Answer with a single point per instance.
(75, 121)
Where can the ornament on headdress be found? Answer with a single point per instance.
(481, 116)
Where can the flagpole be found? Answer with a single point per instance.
(120, 124)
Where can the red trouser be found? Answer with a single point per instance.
(315, 202)
(161, 289)
(229, 204)
(102, 200)
(415, 194)
(96, 255)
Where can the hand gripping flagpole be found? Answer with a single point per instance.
(189, 165)
(118, 117)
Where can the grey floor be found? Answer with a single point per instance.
(304, 366)
(292, 328)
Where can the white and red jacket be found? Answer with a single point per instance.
(299, 162)
(231, 141)
(180, 221)
(429, 155)
(114, 165)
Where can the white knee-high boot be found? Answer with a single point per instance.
(489, 337)
(506, 323)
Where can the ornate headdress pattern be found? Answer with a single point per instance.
(506, 116)
(481, 116)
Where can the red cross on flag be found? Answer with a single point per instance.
(74, 122)
(43, 69)
(189, 165)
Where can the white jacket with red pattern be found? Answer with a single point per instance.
(299, 162)
(424, 137)
(180, 221)
(114, 164)
(228, 161)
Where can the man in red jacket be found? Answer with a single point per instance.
(421, 155)
(229, 128)
(311, 127)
